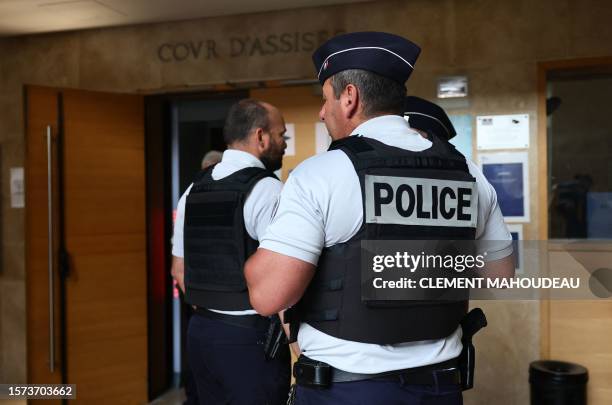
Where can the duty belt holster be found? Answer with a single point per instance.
(312, 373)
(275, 337)
(471, 324)
(292, 318)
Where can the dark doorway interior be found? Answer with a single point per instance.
(180, 129)
(198, 129)
(580, 153)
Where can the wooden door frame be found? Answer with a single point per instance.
(158, 134)
(543, 69)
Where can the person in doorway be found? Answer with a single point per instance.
(309, 258)
(211, 158)
(226, 210)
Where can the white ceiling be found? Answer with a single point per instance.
(19, 17)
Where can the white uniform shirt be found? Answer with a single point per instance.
(321, 206)
(258, 209)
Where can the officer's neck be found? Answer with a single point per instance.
(354, 122)
(248, 147)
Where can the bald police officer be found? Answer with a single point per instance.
(226, 210)
(309, 257)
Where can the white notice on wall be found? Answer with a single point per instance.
(290, 134)
(502, 131)
(17, 191)
(322, 138)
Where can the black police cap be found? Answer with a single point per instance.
(385, 54)
(429, 117)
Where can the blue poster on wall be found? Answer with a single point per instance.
(507, 173)
(507, 180)
(463, 139)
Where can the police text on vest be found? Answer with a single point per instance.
(420, 201)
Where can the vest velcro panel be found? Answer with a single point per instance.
(216, 241)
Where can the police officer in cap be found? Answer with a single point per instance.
(428, 118)
(309, 257)
(226, 210)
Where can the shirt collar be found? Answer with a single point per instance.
(241, 158)
(389, 124)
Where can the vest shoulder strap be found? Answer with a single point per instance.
(366, 153)
(241, 181)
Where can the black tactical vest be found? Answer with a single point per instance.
(216, 242)
(332, 303)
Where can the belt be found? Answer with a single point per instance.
(243, 321)
(315, 373)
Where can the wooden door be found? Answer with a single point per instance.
(42, 114)
(105, 237)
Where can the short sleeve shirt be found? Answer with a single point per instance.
(321, 206)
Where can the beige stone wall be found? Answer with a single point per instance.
(497, 44)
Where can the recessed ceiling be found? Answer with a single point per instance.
(19, 17)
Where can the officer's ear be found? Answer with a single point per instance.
(262, 139)
(349, 101)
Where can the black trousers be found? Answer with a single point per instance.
(380, 392)
(229, 366)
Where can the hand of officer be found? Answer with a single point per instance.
(178, 272)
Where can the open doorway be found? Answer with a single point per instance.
(579, 138)
(575, 155)
(180, 130)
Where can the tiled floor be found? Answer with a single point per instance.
(173, 397)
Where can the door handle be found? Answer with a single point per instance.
(50, 247)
